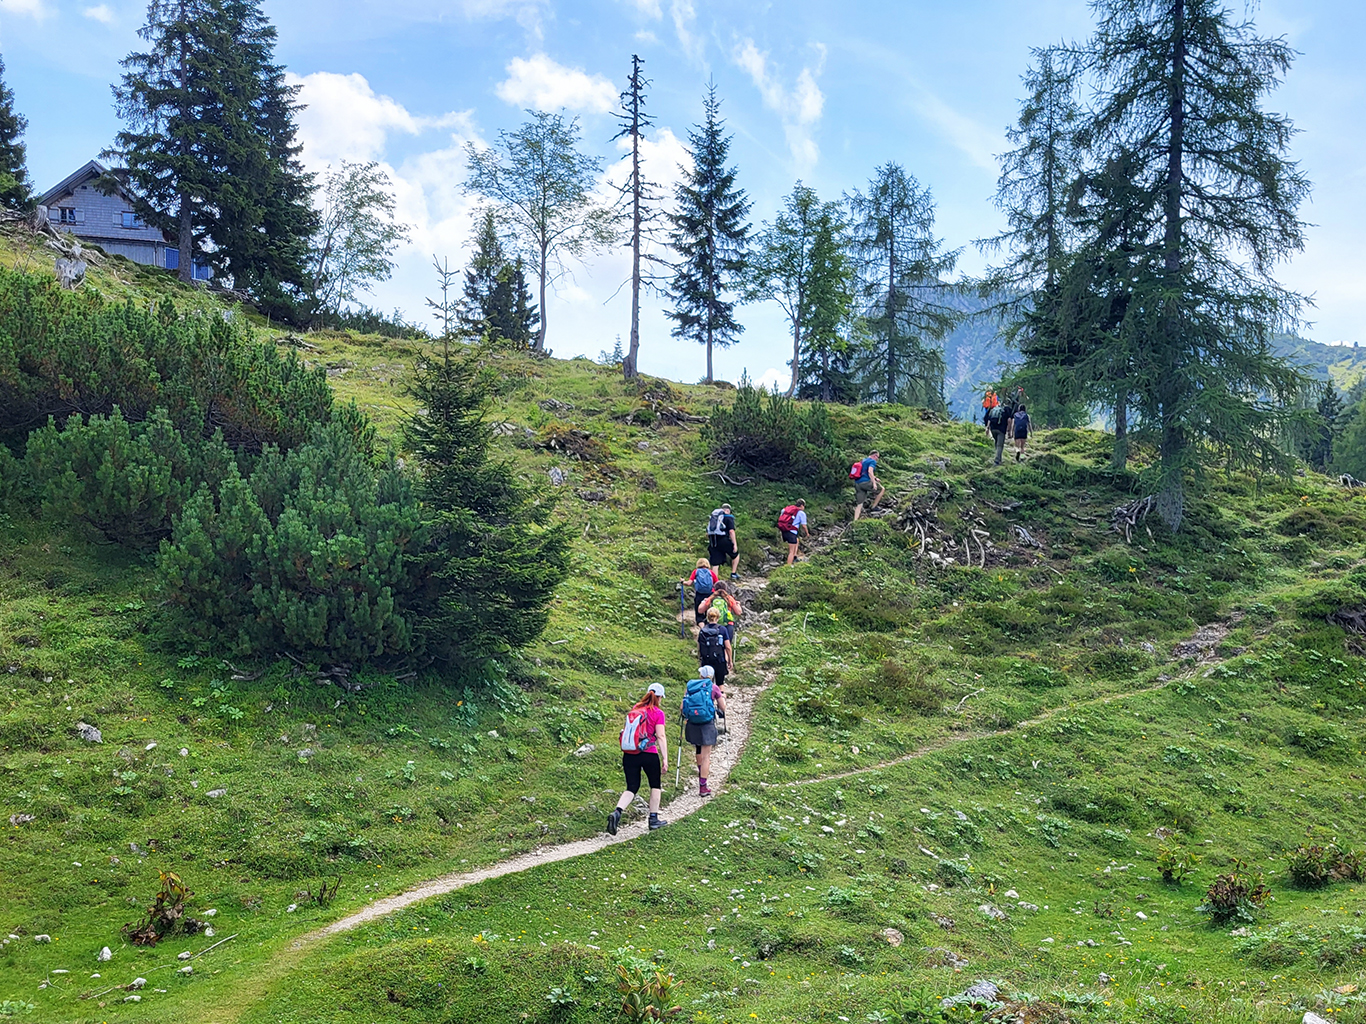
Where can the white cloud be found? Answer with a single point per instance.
(541, 84)
(344, 119)
(799, 107)
(649, 8)
(100, 13)
(774, 378)
(646, 36)
(34, 9)
(684, 14)
(977, 143)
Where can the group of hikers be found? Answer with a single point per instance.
(716, 613)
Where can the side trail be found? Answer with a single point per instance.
(758, 645)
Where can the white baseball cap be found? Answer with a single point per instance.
(657, 688)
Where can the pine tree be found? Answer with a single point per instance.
(1316, 447)
(901, 269)
(494, 558)
(16, 191)
(1179, 92)
(711, 236)
(497, 302)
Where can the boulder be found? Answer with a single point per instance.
(88, 732)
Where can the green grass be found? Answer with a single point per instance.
(405, 780)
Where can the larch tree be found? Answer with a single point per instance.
(710, 235)
(1179, 93)
(16, 191)
(833, 330)
(809, 285)
(542, 189)
(901, 269)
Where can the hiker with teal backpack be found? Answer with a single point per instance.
(644, 748)
(703, 581)
(703, 703)
(791, 520)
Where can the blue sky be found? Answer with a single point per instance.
(813, 90)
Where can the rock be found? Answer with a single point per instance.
(893, 937)
(194, 783)
(210, 913)
(88, 732)
(558, 477)
(184, 751)
(1103, 979)
(555, 405)
(184, 956)
(137, 983)
(994, 912)
(1239, 933)
(151, 746)
(20, 819)
(585, 750)
(643, 445)
(308, 731)
(187, 969)
(106, 954)
(979, 993)
(208, 932)
(134, 998)
(940, 957)
(42, 938)
(1011, 894)
(1141, 916)
(592, 495)
(946, 923)
(214, 794)
(1310, 1017)
(291, 908)
(306, 753)
(505, 429)
(1028, 906)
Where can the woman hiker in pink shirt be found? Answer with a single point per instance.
(644, 748)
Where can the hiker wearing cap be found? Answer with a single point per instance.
(722, 545)
(703, 703)
(714, 646)
(866, 484)
(792, 520)
(702, 581)
(644, 748)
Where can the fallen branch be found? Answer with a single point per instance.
(959, 706)
(1125, 517)
(729, 480)
(1025, 536)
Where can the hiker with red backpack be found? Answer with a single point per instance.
(703, 703)
(702, 581)
(644, 748)
(792, 520)
(865, 484)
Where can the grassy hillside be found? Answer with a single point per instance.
(1024, 736)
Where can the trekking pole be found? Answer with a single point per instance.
(682, 633)
(678, 762)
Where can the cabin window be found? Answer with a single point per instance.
(68, 215)
(132, 220)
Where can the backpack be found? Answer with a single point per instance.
(716, 524)
(856, 470)
(995, 413)
(722, 606)
(703, 581)
(785, 520)
(711, 644)
(698, 707)
(635, 734)
(1022, 420)
(990, 401)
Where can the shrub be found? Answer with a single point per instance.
(950, 873)
(773, 436)
(126, 480)
(1240, 893)
(1174, 864)
(1312, 866)
(892, 685)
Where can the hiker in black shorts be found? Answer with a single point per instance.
(714, 647)
(722, 545)
(644, 748)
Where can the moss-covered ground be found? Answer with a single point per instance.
(1064, 734)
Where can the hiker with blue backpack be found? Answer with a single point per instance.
(866, 485)
(702, 581)
(703, 703)
(1022, 430)
(644, 748)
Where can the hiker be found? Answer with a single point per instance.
(714, 647)
(644, 748)
(727, 609)
(703, 703)
(865, 483)
(722, 545)
(1001, 419)
(793, 519)
(989, 402)
(1022, 426)
(702, 581)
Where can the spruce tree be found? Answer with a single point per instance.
(1180, 88)
(16, 191)
(497, 302)
(711, 236)
(901, 269)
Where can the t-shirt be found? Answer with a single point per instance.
(653, 717)
(727, 524)
(868, 465)
(799, 520)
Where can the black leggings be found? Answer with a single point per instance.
(633, 764)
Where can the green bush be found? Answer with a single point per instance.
(126, 480)
(892, 686)
(773, 436)
(1239, 893)
(312, 555)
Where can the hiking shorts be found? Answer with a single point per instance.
(700, 734)
(789, 535)
(632, 764)
(719, 667)
(863, 490)
(697, 600)
(719, 549)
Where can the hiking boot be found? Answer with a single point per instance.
(613, 820)
(656, 822)
(735, 576)
(704, 790)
